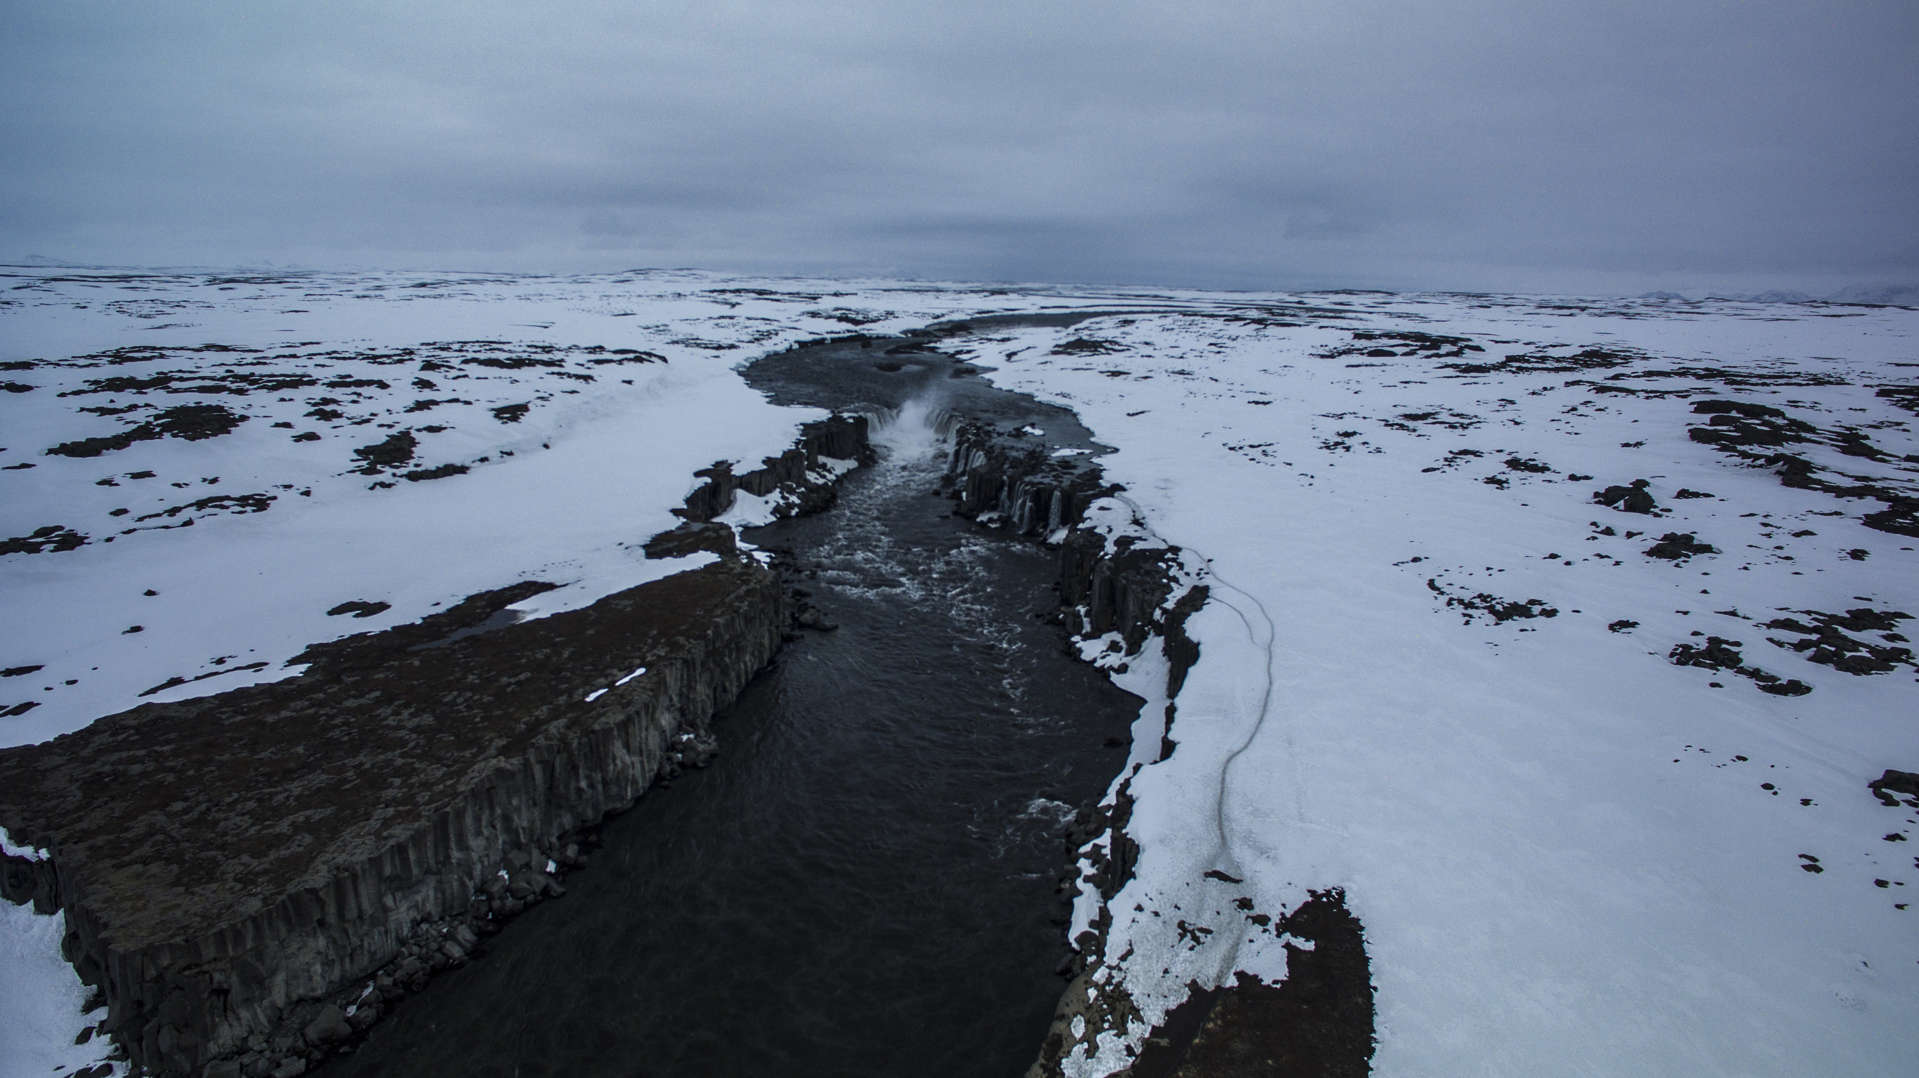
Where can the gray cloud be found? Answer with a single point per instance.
(1480, 144)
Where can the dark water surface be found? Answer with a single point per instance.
(863, 882)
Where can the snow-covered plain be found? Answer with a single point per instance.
(1570, 853)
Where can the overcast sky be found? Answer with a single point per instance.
(1603, 145)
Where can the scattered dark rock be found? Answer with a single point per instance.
(390, 452)
(1087, 346)
(1756, 434)
(1718, 654)
(196, 421)
(1527, 464)
(1678, 546)
(419, 475)
(1540, 363)
(229, 503)
(21, 671)
(1722, 654)
(359, 608)
(51, 537)
(1901, 396)
(1622, 625)
(1896, 782)
(1742, 424)
(1826, 641)
(106, 443)
(1633, 498)
(1500, 610)
(511, 413)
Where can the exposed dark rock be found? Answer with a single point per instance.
(1722, 654)
(1756, 434)
(1718, 654)
(1087, 346)
(1678, 546)
(511, 413)
(1741, 424)
(328, 1027)
(1500, 610)
(106, 443)
(1633, 498)
(359, 608)
(1892, 783)
(1826, 641)
(1540, 363)
(227, 503)
(794, 473)
(441, 471)
(1318, 1022)
(196, 421)
(1182, 651)
(51, 537)
(1119, 590)
(691, 538)
(1014, 480)
(1901, 396)
(390, 452)
(222, 861)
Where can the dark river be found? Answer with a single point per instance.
(863, 882)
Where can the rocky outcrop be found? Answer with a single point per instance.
(1114, 587)
(232, 866)
(249, 879)
(1013, 479)
(795, 474)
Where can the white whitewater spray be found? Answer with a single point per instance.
(915, 429)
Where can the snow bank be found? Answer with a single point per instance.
(1570, 854)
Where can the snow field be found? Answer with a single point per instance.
(1561, 862)
(1560, 843)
